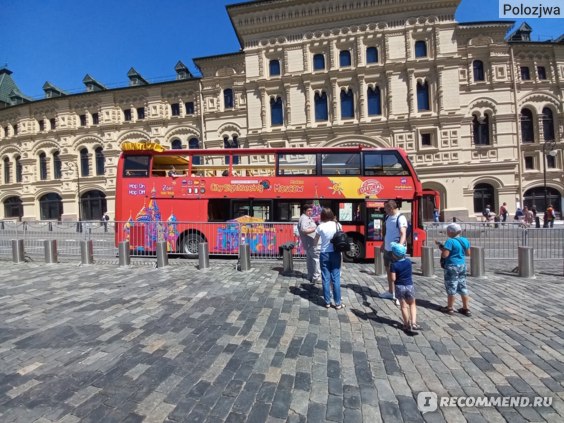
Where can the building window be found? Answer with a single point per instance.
(175, 109)
(41, 126)
(189, 107)
(483, 196)
(525, 75)
(84, 165)
(140, 113)
(274, 67)
(95, 118)
(541, 72)
(57, 165)
(529, 163)
(82, 120)
(426, 139)
(347, 104)
(7, 171)
(231, 143)
(371, 55)
(478, 67)
(13, 207)
(19, 169)
(345, 58)
(194, 144)
(550, 161)
(15, 129)
(100, 161)
(321, 113)
(423, 96)
(319, 62)
(276, 115)
(527, 129)
(51, 207)
(43, 166)
(547, 124)
(420, 49)
(228, 98)
(374, 101)
(481, 129)
(176, 144)
(127, 115)
(6, 131)
(53, 123)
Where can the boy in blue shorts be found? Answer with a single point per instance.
(401, 274)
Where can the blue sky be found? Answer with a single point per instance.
(60, 41)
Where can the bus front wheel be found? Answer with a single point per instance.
(356, 252)
(189, 245)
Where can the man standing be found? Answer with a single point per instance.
(306, 228)
(395, 226)
(503, 212)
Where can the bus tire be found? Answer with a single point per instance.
(189, 244)
(356, 253)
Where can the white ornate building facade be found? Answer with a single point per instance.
(480, 115)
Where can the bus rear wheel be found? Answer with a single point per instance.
(356, 253)
(189, 245)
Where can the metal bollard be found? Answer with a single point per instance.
(379, 261)
(124, 254)
(526, 262)
(50, 251)
(203, 256)
(18, 253)
(86, 252)
(477, 262)
(287, 261)
(162, 254)
(244, 257)
(427, 261)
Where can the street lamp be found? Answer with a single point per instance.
(547, 150)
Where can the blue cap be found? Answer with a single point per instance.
(398, 250)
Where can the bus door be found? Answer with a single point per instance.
(375, 215)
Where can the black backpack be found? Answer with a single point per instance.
(340, 240)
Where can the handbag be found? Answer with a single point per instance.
(443, 259)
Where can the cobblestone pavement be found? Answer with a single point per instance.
(108, 344)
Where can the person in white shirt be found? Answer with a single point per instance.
(306, 229)
(329, 259)
(396, 231)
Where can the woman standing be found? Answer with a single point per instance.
(329, 259)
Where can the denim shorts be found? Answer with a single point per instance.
(387, 258)
(405, 292)
(455, 279)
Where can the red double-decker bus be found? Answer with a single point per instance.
(175, 194)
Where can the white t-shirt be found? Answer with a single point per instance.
(326, 230)
(392, 229)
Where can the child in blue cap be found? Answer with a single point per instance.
(402, 276)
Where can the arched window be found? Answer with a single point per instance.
(13, 207)
(318, 62)
(100, 161)
(57, 165)
(535, 197)
(51, 207)
(547, 124)
(481, 129)
(276, 115)
(321, 113)
(43, 166)
(347, 104)
(478, 67)
(345, 58)
(423, 96)
(527, 128)
(483, 196)
(374, 101)
(84, 165)
(420, 48)
(194, 144)
(231, 143)
(274, 67)
(93, 205)
(19, 169)
(7, 171)
(176, 144)
(228, 98)
(371, 55)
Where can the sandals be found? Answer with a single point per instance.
(327, 306)
(340, 306)
(411, 328)
(465, 311)
(446, 310)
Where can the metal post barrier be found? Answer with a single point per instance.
(427, 261)
(244, 257)
(526, 262)
(50, 251)
(203, 256)
(477, 262)
(379, 261)
(162, 254)
(18, 253)
(287, 260)
(86, 252)
(124, 254)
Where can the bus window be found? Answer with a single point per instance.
(384, 163)
(287, 211)
(340, 164)
(261, 210)
(218, 210)
(297, 164)
(136, 166)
